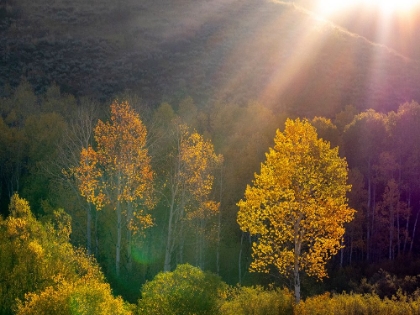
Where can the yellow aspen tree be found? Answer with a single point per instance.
(188, 183)
(118, 173)
(297, 205)
(198, 175)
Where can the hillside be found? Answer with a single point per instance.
(233, 51)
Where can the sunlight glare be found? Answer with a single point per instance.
(328, 7)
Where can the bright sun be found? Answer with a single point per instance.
(327, 7)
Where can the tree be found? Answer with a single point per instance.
(364, 139)
(327, 130)
(297, 205)
(405, 133)
(186, 191)
(43, 133)
(118, 173)
(35, 255)
(355, 229)
(79, 134)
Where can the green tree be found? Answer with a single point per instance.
(43, 133)
(297, 205)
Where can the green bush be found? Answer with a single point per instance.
(84, 297)
(186, 290)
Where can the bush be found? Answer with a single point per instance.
(357, 304)
(186, 290)
(257, 301)
(83, 297)
(387, 285)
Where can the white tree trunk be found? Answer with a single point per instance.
(89, 229)
(240, 260)
(169, 239)
(129, 237)
(118, 245)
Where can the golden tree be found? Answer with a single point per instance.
(118, 173)
(37, 257)
(189, 177)
(297, 205)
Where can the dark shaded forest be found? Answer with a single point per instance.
(228, 73)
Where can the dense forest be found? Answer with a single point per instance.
(204, 89)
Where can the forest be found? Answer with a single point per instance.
(127, 157)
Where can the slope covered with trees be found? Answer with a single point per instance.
(224, 50)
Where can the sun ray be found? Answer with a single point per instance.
(386, 7)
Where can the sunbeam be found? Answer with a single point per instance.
(390, 7)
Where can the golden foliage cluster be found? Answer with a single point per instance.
(118, 169)
(199, 161)
(297, 205)
(42, 273)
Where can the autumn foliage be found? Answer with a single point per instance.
(42, 273)
(117, 173)
(297, 205)
(118, 169)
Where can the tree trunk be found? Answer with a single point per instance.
(296, 276)
(129, 237)
(89, 229)
(240, 260)
(219, 222)
(169, 240)
(202, 244)
(181, 237)
(296, 281)
(96, 235)
(369, 206)
(391, 231)
(398, 231)
(118, 246)
(407, 220)
(414, 232)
